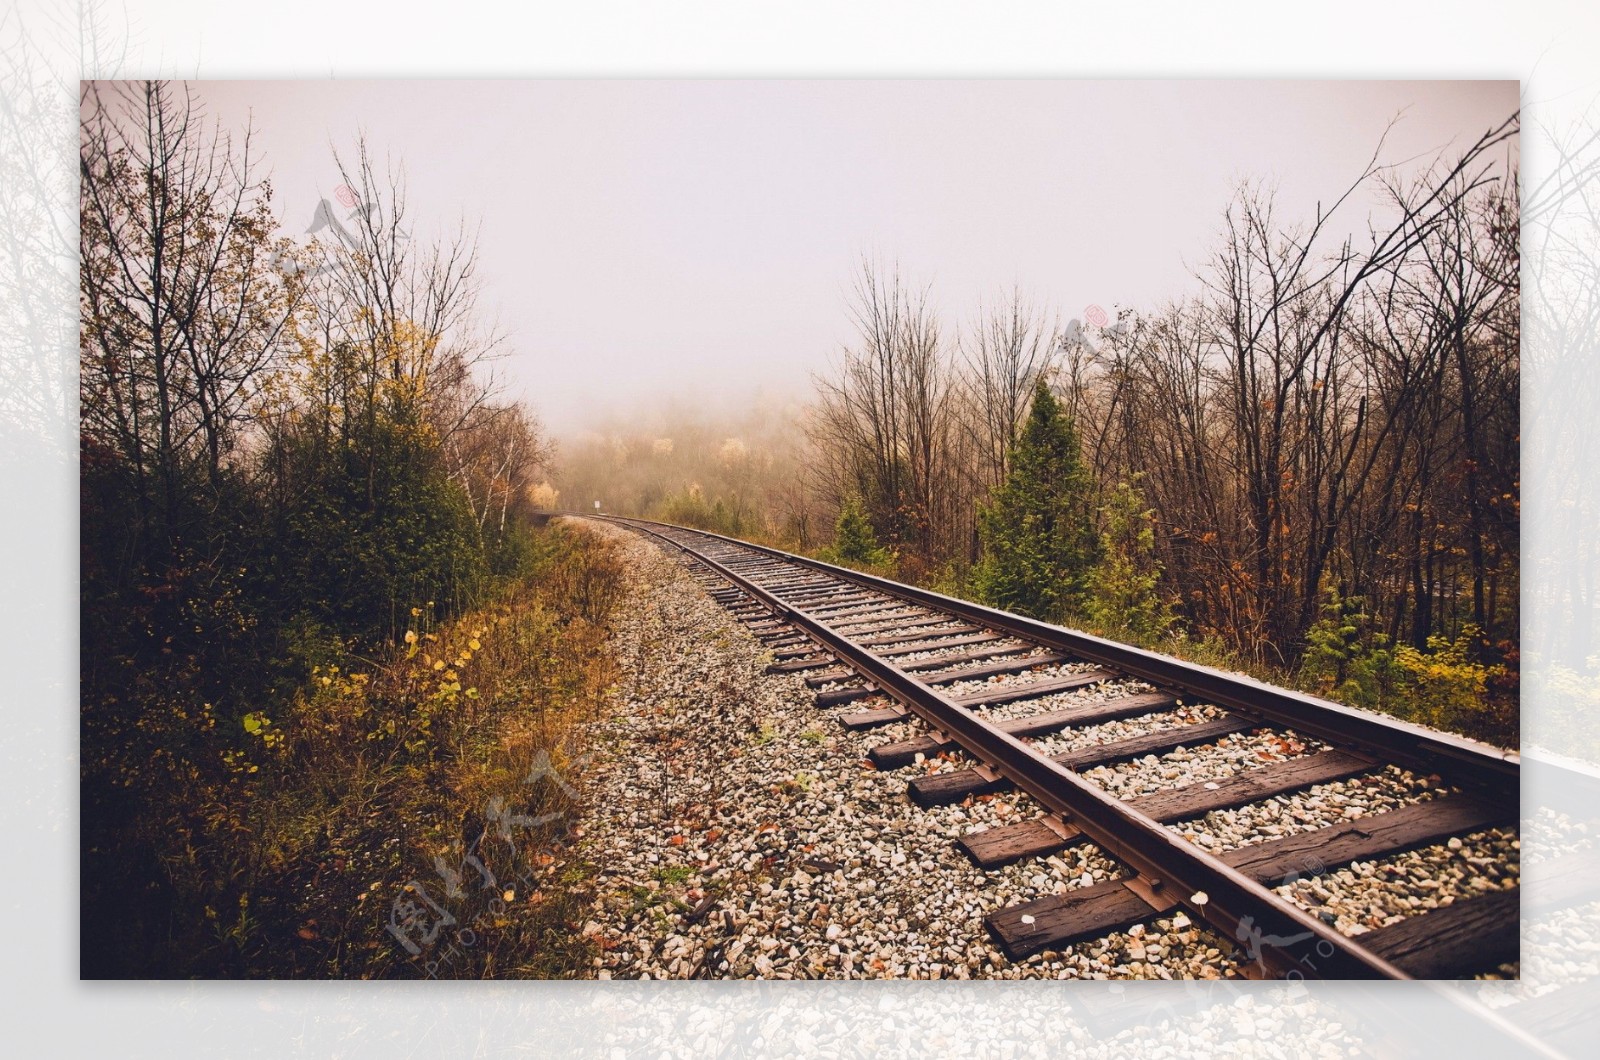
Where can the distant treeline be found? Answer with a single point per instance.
(1320, 446)
(740, 473)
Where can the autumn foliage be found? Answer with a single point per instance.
(305, 549)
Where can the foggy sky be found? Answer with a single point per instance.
(648, 239)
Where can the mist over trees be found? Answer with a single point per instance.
(1326, 418)
(297, 471)
(741, 471)
(238, 390)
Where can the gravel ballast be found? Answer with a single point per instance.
(736, 830)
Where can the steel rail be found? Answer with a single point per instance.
(1489, 771)
(1286, 942)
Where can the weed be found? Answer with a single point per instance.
(275, 845)
(800, 782)
(673, 875)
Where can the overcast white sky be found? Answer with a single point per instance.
(649, 238)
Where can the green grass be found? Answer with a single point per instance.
(673, 875)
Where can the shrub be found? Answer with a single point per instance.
(1123, 598)
(690, 508)
(855, 543)
(1447, 688)
(271, 844)
(1344, 658)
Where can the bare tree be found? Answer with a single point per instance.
(410, 307)
(1306, 439)
(885, 421)
(496, 457)
(1004, 353)
(182, 319)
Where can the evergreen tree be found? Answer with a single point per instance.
(1038, 529)
(855, 543)
(1344, 657)
(1122, 587)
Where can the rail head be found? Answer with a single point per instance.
(1490, 772)
(1296, 945)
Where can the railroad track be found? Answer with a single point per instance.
(878, 652)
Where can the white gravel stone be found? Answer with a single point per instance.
(738, 830)
(828, 868)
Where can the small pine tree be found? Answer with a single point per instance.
(855, 544)
(1343, 657)
(1123, 599)
(1037, 530)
